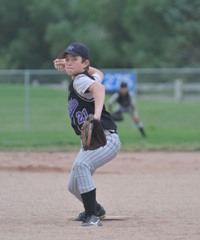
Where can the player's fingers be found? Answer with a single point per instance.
(59, 64)
(59, 61)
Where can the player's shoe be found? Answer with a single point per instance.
(101, 213)
(80, 217)
(141, 129)
(92, 220)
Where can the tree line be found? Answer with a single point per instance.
(120, 34)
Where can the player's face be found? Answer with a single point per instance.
(123, 90)
(75, 65)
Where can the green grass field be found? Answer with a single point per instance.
(169, 125)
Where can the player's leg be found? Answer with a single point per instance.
(74, 189)
(137, 121)
(87, 162)
(72, 185)
(84, 167)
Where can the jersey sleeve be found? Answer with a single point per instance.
(82, 83)
(132, 98)
(97, 78)
(113, 98)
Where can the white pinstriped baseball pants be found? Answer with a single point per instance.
(86, 163)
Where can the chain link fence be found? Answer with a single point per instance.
(16, 102)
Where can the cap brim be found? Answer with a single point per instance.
(63, 54)
(71, 52)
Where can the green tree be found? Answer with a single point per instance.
(139, 31)
(183, 45)
(120, 34)
(24, 25)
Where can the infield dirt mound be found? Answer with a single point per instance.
(158, 192)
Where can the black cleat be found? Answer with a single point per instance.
(92, 220)
(101, 213)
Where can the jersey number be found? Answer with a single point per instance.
(81, 116)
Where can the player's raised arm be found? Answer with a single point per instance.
(98, 91)
(97, 72)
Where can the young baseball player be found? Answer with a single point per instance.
(86, 96)
(126, 103)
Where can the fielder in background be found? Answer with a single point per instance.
(126, 103)
(86, 97)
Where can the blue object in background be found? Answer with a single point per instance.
(113, 80)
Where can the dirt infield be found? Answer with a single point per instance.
(159, 193)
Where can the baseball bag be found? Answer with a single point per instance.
(92, 134)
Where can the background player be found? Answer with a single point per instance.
(126, 103)
(86, 96)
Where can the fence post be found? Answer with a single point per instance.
(27, 99)
(64, 84)
(178, 90)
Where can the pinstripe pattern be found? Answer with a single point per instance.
(87, 162)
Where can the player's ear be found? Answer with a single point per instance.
(86, 64)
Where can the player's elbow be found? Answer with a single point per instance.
(97, 87)
(103, 88)
(101, 75)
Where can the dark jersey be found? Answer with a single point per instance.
(80, 107)
(124, 99)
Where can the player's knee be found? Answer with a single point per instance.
(80, 166)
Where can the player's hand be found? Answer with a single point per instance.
(59, 64)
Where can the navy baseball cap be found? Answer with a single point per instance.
(123, 85)
(78, 49)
